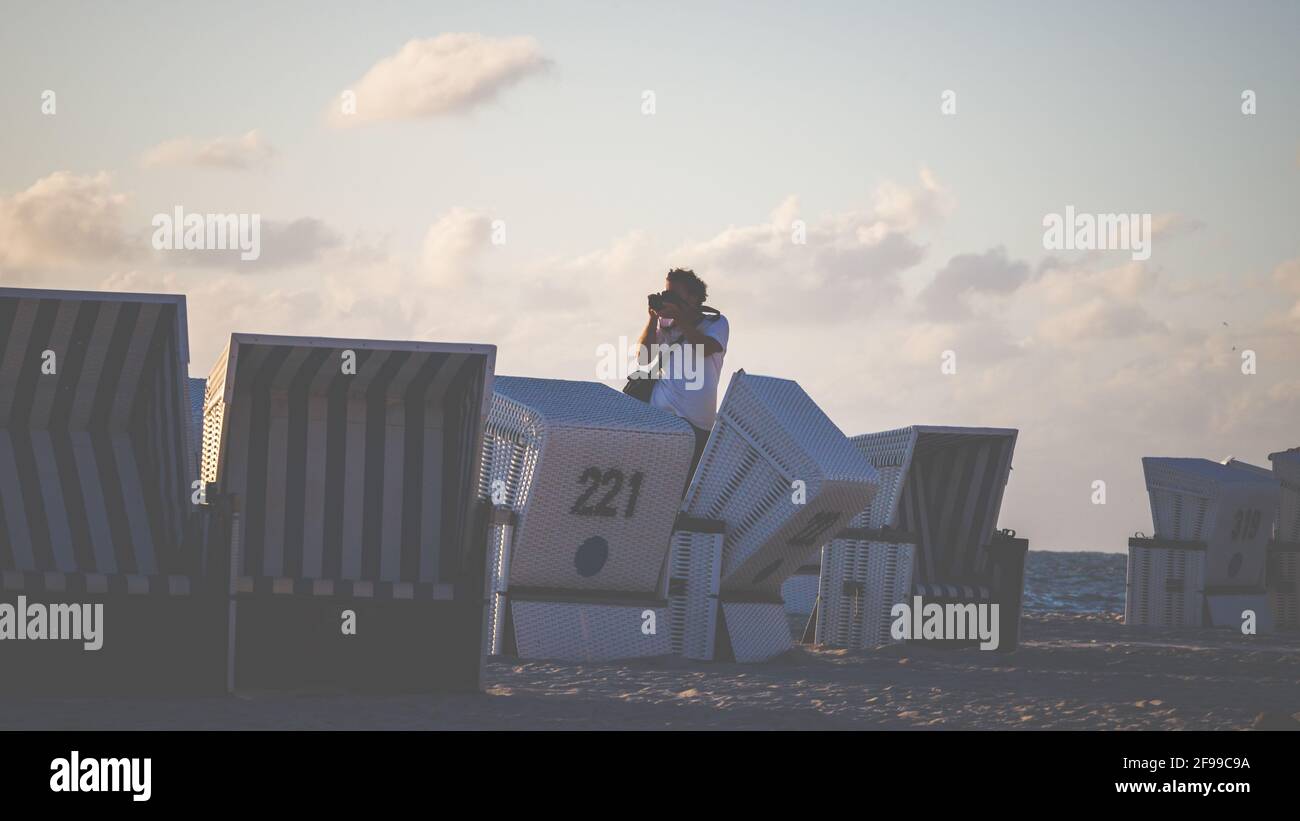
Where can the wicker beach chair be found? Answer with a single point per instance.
(781, 477)
(1206, 564)
(95, 492)
(931, 531)
(586, 484)
(1282, 574)
(342, 475)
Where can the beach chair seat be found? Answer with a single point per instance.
(1166, 583)
(341, 478)
(585, 484)
(694, 575)
(95, 485)
(782, 479)
(864, 573)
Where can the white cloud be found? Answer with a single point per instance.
(847, 267)
(62, 220)
(441, 75)
(248, 152)
(452, 244)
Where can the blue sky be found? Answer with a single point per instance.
(1110, 107)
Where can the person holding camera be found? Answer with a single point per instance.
(691, 340)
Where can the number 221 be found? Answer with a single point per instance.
(595, 479)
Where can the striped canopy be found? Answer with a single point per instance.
(94, 432)
(350, 460)
(945, 485)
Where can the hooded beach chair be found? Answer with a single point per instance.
(96, 474)
(1282, 574)
(781, 478)
(585, 484)
(342, 475)
(931, 531)
(1206, 563)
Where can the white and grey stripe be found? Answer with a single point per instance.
(349, 477)
(92, 456)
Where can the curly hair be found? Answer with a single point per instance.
(692, 282)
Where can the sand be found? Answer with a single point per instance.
(1085, 672)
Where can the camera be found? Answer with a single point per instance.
(657, 301)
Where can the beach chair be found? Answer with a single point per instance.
(931, 531)
(781, 477)
(1206, 565)
(341, 474)
(585, 483)
(1282, 574)
(96, 476)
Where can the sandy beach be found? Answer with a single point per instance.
(1083, 672)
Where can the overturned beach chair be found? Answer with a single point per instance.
(1282, 572)
(782, 478)
(1206, 563)
(585, 484)
(96, 479)
(341, 474)
(931, 531)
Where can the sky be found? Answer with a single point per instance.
(524, 174)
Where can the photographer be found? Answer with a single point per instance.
(691, 340)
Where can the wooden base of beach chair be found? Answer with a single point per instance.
(152, 645)
(295, 642)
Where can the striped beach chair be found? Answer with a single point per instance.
(781, 477)
(96, 479)
(585, 484)
(341, 472)
(1213, 523)
(931, 531)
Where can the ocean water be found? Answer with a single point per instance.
(1075, 582)
(1054, 582)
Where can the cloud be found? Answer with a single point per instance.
(282, 245)
(1097, 318)
(847, 264)
(249, 152)
(447, 74)
(62, 220)
(452, 244)
(1172, 226)
(948, 294)
(905, 209)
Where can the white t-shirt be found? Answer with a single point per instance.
(688, 386)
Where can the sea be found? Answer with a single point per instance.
(1057, 582)
(1082, 582)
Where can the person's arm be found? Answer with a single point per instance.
(649, 336)
(692, 334)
